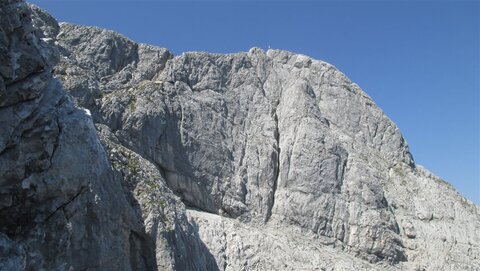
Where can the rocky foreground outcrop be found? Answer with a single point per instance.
(249, 161)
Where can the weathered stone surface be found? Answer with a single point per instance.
(272, 139)
(12, 255)
(61, 207)
(172, 242)
(240, 246)
(249, 161)
(102, 61)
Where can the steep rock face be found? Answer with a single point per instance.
(57, 189)
(106, 69)
(172, 240)
(259, 120)
(283, 163)
(275, 140)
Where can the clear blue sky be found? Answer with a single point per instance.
(419, 61)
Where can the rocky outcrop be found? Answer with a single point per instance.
(61, 206)
(66, 203)
(248, 161)
(273, 144)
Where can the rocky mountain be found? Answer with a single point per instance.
(116, 155)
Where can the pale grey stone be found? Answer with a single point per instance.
(61, 206)
(273, 139)
(259, 160)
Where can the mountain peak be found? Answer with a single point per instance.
(125, 157)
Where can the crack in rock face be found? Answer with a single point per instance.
(116, 155)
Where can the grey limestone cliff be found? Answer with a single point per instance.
(260, 160)
(58, 205)
(62, 205)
